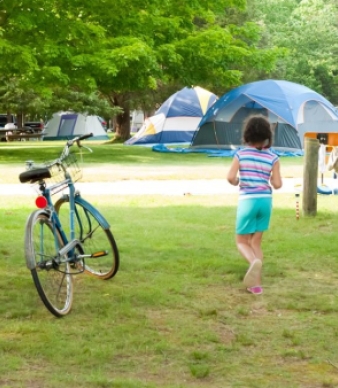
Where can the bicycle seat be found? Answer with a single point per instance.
(35, 175)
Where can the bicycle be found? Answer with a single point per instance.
(67, 237)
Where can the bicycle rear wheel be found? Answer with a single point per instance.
(51, 278)
(94, 238)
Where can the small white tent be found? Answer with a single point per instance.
(137, 120)
(67, 125)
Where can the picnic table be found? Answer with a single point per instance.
(20, 134)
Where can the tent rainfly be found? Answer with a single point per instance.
(67, 125)
(292, 109)
(177, 119)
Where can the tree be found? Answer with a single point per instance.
(153, 47)
(132, 54)
(40, 43)
(307, 30)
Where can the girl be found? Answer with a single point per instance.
(255, 169)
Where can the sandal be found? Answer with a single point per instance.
(253, 274)
(257, 290)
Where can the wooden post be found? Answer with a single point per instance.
(310, 177)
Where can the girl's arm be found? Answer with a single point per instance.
(233, 172)
(276, 179)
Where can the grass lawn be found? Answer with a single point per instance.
(118, 162)
(176, 314)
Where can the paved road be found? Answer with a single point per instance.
(157, 187)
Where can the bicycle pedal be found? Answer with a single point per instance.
(47, 265)
(99, 254)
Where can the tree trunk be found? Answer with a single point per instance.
(19, 118)
(149, 113)
(122, 122)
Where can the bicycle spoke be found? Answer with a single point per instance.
(52, 279)
(93, 239)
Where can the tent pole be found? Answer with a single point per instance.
(215, 133)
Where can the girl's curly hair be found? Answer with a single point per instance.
(257, 129)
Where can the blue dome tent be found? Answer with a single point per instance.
(292, 109)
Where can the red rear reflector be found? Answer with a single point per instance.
(41, 202)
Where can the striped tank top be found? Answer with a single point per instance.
(255, 168)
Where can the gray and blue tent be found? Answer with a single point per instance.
(292, 109)
(67, 125)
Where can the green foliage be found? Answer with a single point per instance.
(40, 43)
(16, 96)
(121, 50)
(132, 55)
(307, 30)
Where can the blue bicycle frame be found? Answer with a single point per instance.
(70, 242)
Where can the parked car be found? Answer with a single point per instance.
(3, 121)
(34, 126)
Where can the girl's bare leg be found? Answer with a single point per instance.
(249, 246)
(256, 245)
(244, 247)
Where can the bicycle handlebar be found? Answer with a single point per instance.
(34, 173)
(78, 139)
(71, 142)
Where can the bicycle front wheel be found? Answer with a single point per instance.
(94, 238)
(52, 278)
